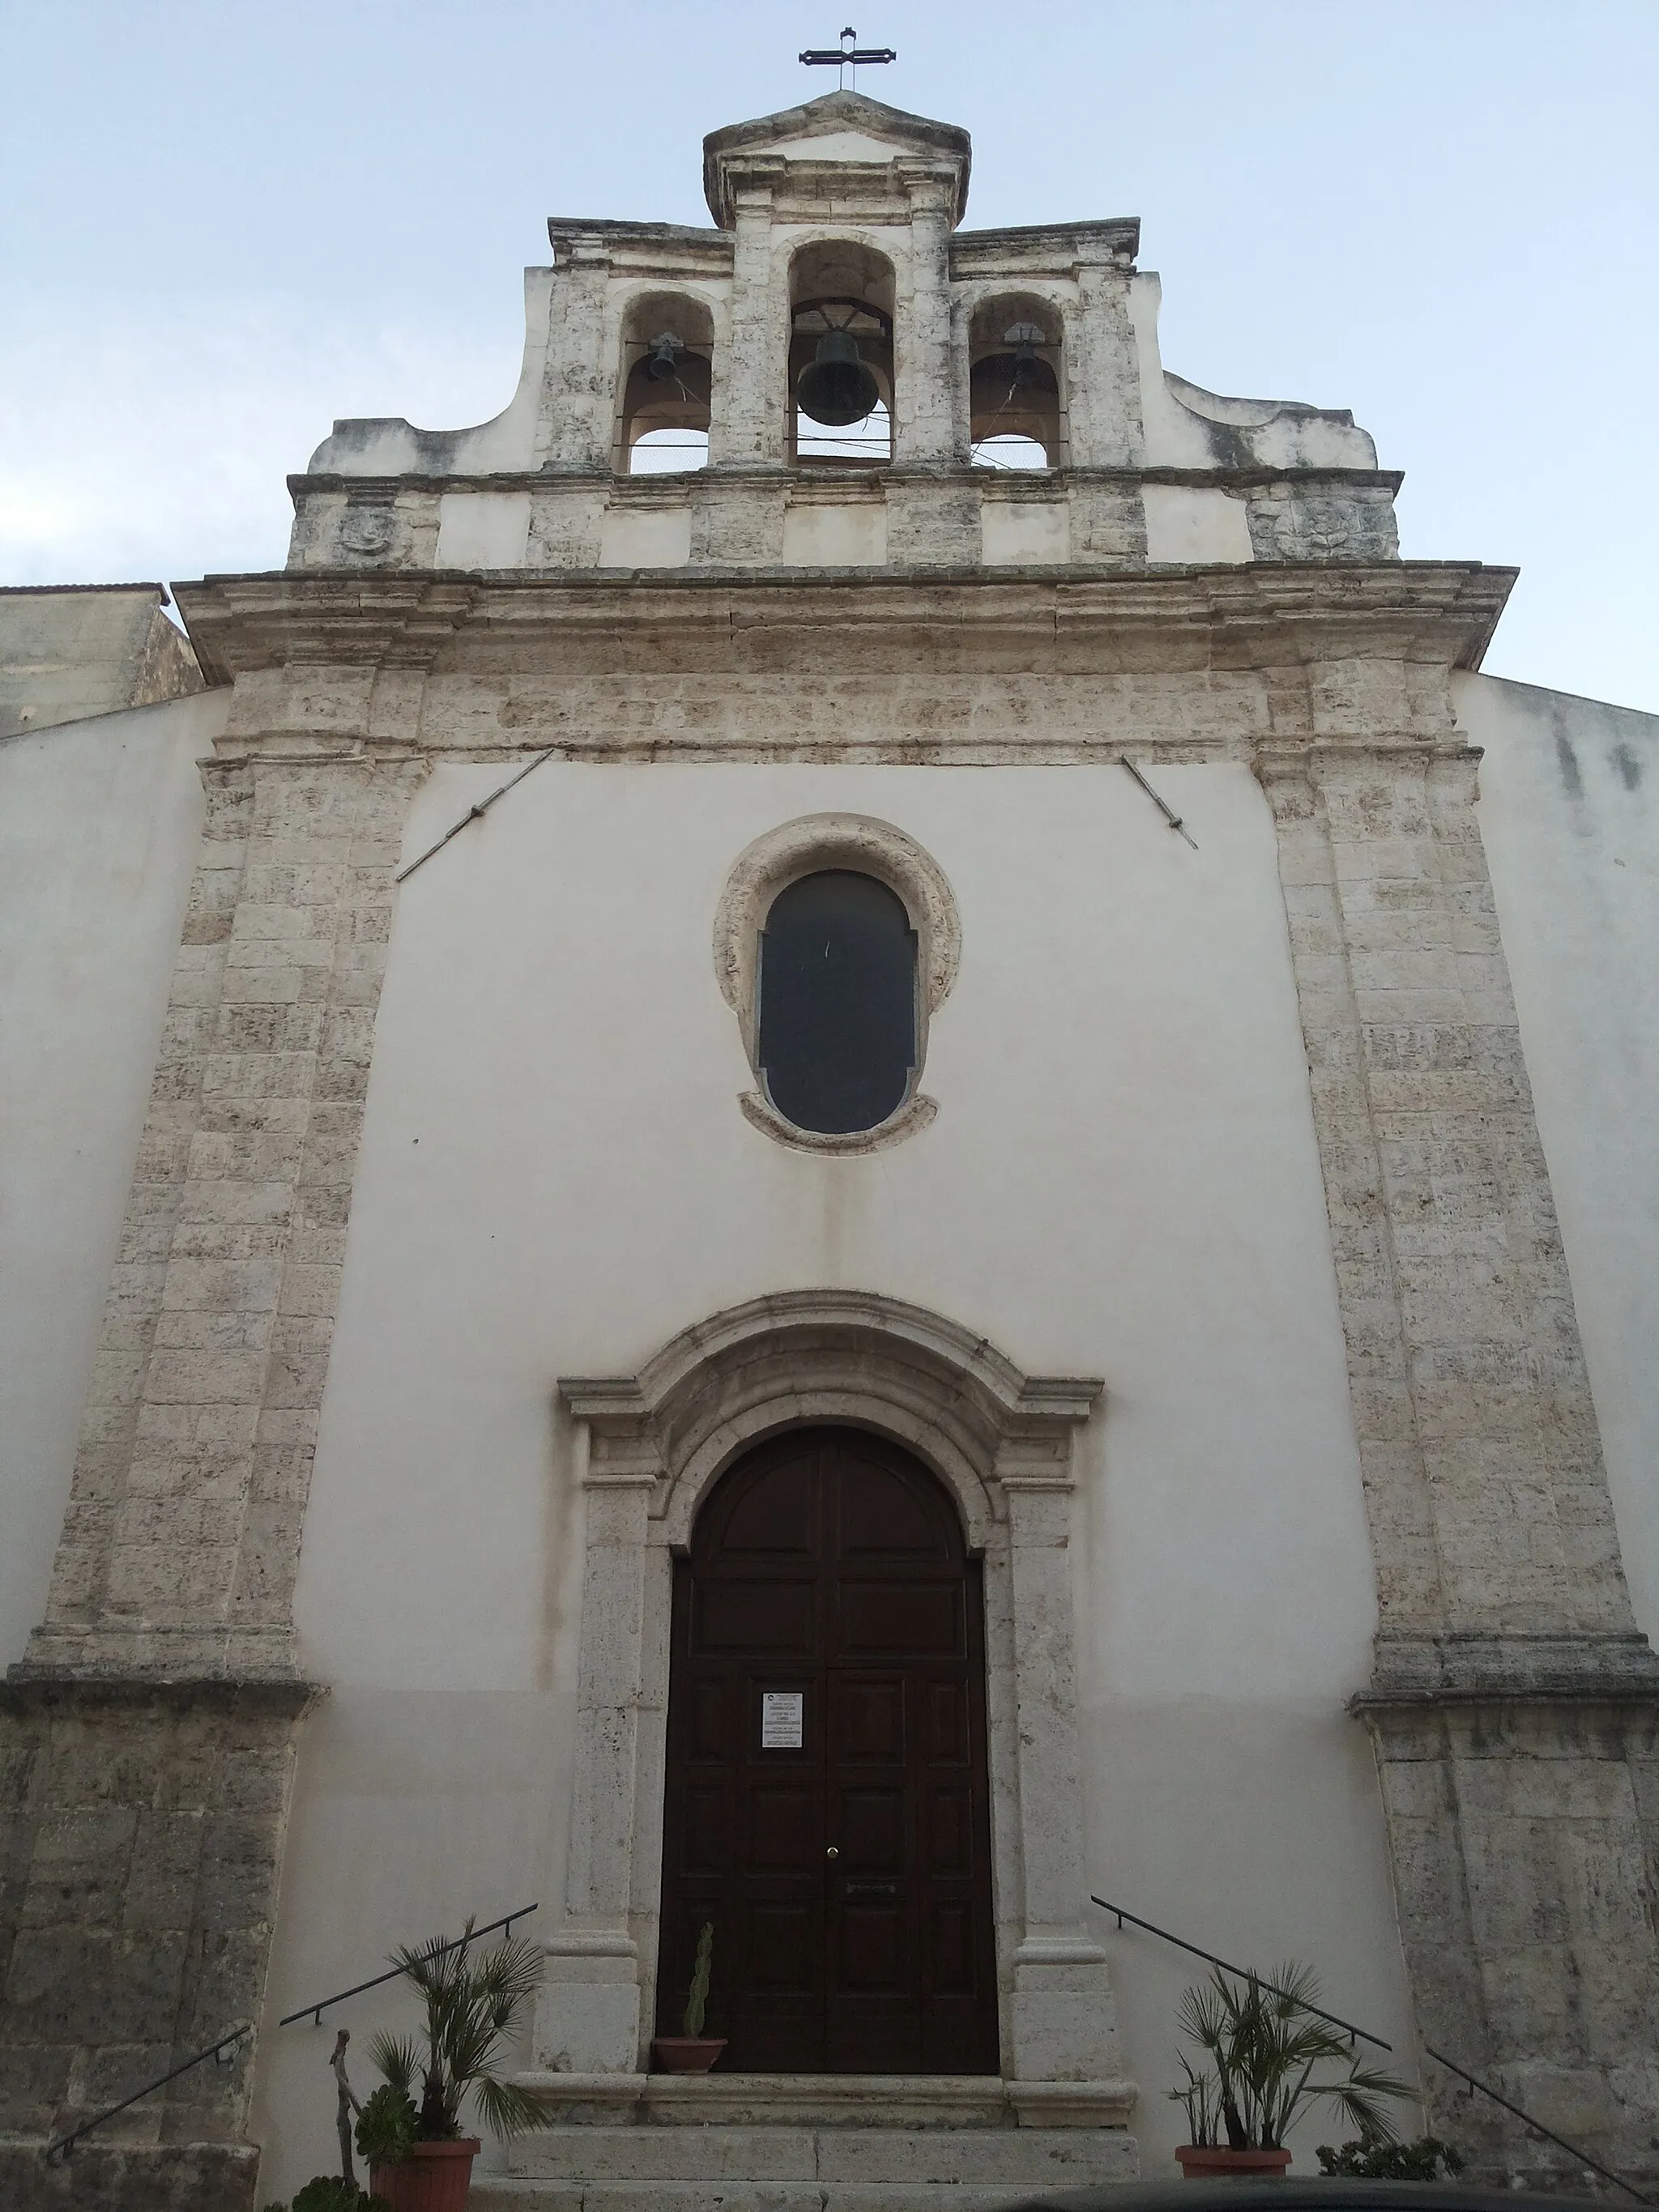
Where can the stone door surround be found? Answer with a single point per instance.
(647, 1447)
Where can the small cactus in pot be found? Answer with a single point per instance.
(692, 2052)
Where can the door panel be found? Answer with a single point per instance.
(844, 1860)
(755, 1616)
(901, 1617)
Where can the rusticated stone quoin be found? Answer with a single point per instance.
(141, 1834)
(179, 1546)
(148, 1736)
(1514, 1705)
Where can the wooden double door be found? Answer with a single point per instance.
(827, 1803)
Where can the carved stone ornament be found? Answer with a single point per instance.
(367, 531)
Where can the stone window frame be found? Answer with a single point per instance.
(804, 847)
(647, 1449)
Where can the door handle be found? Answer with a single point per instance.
(831, 1852)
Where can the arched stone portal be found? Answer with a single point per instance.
(648, 1446)
(826, 1809)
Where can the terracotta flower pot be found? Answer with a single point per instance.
(1205, 2161)
(434, 2178)
(686, 2054)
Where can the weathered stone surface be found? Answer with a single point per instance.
(142, 1832)
(87, 649)
(1514, 1704)
(1524, 1850)
(183, 1530)
(189, 2177)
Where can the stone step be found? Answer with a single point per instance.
(500, 2193)
(818, 2100)
(1000, 2158)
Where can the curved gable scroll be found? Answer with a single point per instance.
(852, 1356)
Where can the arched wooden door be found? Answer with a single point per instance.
(827, 1804)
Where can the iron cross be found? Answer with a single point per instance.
(847, 55)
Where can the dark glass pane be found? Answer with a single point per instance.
(837, 1002)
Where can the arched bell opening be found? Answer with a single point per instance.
(840, 357)
(1015, 392)
(667, 378)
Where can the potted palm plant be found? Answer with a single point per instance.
(694, 2052)
(418, 2159)
(1267, 2057)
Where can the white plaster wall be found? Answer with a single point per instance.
(816, 535)
(1015, 533)
(646, 537)
(1187, 523)
(99, 824)
(483, 530)
(1569, 815)
(1121, 1180)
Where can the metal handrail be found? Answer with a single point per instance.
(65, 2145)
(1244, 1974)
(315, 2012)
(1348, 2028)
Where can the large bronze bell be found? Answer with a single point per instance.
(836, 388)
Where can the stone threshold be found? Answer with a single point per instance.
(863, 2100)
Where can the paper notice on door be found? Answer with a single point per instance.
(782, 1712)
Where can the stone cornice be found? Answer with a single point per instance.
(1032, 249)
(1009, 620)
(1055, 483)
(51, 1694)
(393, 618)
(728, 154)
(685, 248)
(1418, 1673)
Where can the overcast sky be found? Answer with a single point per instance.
(226, 222)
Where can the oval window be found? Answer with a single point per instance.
(837, 1042)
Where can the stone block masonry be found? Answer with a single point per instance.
(141, 1833)
(147, 1739)
(182, 1536)
(1514, 1706)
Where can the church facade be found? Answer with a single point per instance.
(815, 1197)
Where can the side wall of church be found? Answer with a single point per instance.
(1569, 815)
(99, 825)
(1122, 1179)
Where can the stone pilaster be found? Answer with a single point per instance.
(141, 1831)
(182, 1537)
(1524, 1834)
(147, 1741)
(1513, 1704)
(1061, 2011)
(930, 427)
(748, 419)
(578, 397)
(587, 2015)
(1102, 373)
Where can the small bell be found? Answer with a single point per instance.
(836, 388)
(666, 351)
(1024, 338)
